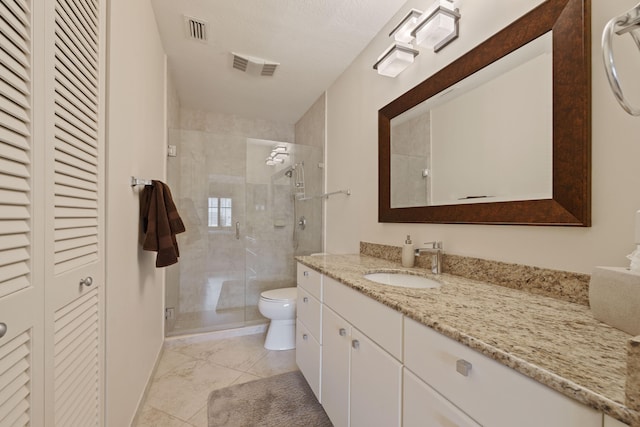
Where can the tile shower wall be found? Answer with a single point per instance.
(410, 156)
(217, 283)
(273, 236)
(310, 131)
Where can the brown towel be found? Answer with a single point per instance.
(160, 223)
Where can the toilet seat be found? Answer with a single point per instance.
(282, 294)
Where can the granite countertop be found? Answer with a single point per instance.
(557, 343)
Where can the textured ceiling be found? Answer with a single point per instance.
(314, 41)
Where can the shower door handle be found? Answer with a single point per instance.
(237, 230)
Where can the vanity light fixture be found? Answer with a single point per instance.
(438, 26)
(402, 31)
(395, 59)
(277, 155)
(274, 160)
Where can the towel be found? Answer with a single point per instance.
(160, 223)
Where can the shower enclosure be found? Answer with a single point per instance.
(248, 207)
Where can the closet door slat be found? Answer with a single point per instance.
(76, 325)
(15, 148)
(15, 358)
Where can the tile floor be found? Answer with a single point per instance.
(190, 368)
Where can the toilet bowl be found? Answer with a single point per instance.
(279, 305)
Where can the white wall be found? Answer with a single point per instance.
(353, 102)
(136, 146)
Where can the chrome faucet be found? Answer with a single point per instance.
(434, 248)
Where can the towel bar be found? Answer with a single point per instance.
(139, 181)
(626, 23)
(325, 195)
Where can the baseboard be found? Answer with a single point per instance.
(143, 398)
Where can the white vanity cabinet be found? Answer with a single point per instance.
(308, 326)
(612, 422)
(371, 366)
(361, 380)
(489, 392)
(423, 406)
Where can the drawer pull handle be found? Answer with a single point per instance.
(87, 281)
(342, 332)
(463, 367)
(355, 344)
(305, 299)
(3, 329)
(305, 274)
(305, 336)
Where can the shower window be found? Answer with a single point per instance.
(220, 212)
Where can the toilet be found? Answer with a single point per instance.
(279, 305)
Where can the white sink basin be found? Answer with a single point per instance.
(403, 280)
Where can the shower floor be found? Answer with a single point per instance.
(214, 320)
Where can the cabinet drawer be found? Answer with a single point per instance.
(379, 322)
(491, 393)
(310, 280)
(308, 357)
(611, 422)
(423, 406)
(308, 311)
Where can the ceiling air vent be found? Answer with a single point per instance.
(268, 69)
(253, 65)
(240, 63)
(196, 29)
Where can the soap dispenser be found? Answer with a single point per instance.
(408, 256)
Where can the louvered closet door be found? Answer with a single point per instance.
(21, 304)
(75, 195)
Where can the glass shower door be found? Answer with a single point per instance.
(242, 222)
(206, 289)
(269, 227)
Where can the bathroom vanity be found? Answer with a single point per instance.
(467, 353)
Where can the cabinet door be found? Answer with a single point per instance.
(377, 321)
(336, 341)
(423, 406)
(308, 357)
(375, 395)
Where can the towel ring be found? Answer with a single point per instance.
(627, 23)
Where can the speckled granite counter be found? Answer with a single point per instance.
(557, 343)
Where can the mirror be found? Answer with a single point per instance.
(436, 160)
(447, 155)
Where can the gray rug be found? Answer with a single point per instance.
(281, 400)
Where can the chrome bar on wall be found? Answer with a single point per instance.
(626, 23)
(326, 195)
(139, 181)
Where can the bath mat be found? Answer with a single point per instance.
(281, 400)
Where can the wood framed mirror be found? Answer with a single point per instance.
(568, 22)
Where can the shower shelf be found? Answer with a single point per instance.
(326, 195)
